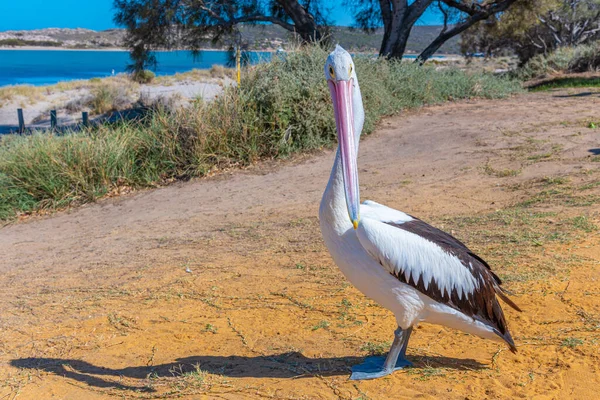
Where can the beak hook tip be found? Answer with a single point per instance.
(355, 224)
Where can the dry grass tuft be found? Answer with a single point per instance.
(106, 98)
(218, 72)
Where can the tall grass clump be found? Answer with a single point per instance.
(281, 107)
(108, 97)
(54, 171)
(13, 197)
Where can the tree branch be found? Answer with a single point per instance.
(248, 18)
(463, 7)
(445, 14)
(416, 9)
(462, 26)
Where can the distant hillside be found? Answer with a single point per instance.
(274, 36)
(420, 38)
(261, 37)
(63, 37)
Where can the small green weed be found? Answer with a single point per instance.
(346, 303)
(321, 325)
(571, 342)
(426, 373)
(583, 223)
(590, 185)
(196, 378)
(556, 180)
(376, 348)
(500, 173)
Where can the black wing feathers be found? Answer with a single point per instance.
(481, 304)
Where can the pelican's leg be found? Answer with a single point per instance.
(378, 366)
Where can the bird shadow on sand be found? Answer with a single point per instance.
(595, 152)
(582, 94)
(285, 365)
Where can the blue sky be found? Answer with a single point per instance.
(97, 14)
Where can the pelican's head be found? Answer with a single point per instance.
(340, 75)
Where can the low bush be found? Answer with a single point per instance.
(586, 58)
(583, 58)
(144, 76)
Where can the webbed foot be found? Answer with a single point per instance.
(374, 367)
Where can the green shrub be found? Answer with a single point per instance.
(586, 58)
(280, 108)
(544, 64)
(144, 76)
(582, 58)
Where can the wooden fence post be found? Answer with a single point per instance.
(53, 119)
(21, 120)
(84, 119)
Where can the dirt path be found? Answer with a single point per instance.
(97, 303)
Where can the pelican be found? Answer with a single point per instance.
(418, 272)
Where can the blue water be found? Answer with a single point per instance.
(45, 67)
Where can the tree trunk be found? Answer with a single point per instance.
(401, 42)
(394, 37)
(304, 23)
(402, 18)
(386, 15)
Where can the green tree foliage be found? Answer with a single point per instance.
(191, 24)
(533, 27)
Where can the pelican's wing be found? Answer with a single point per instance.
(435, 263)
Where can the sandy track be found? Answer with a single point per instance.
(97, 301)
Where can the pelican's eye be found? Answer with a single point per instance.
(331, 72)
(350, 70)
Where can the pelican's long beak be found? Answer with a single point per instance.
(341, 94)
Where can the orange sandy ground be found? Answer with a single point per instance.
(96, 302)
